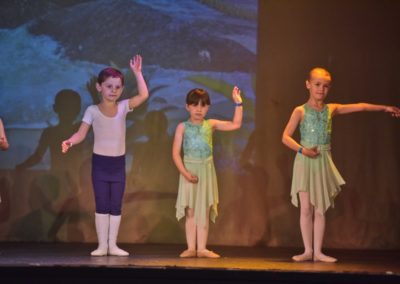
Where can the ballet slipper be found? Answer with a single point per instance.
(324, 258)
(207, 254)
(113, 249)
(188, 253)
(303, 257)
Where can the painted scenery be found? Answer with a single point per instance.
(51, 52)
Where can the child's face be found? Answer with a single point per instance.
(197, 112)
(318, 86)
(111, 89)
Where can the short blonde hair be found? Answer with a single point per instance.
(320, 72)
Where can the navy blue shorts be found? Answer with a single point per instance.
(108, 178)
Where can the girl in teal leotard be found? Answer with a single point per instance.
(316, 181)
(198, 192)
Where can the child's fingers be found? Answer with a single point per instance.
(236, 94)
(193, 179)
(65, 146)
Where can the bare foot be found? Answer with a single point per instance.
(307, 256)
(324, 258)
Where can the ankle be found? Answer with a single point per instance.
(308, 252)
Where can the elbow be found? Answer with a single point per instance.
(284, 139)
(362, 106)
(145, 94)
(175, 157)
(5, 147)
(237, 125)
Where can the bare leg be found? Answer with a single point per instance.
(319, 230)
(202, 236)
(306, 227)
(202, 233)
(190, 230)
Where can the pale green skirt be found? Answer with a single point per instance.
(199, 196)
(319, 177)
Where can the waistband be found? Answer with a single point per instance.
(322, 147)
(197, 160)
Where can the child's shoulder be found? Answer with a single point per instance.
(181, 125)
(124, 101)
(92, 107)
(299, 109)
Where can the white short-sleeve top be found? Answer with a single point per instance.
(109, 132)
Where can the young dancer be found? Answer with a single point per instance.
(3, 138)
(108, 119)
(316, 181)
(198, 192)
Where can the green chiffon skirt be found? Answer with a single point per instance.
(200, 196)
(317, 176)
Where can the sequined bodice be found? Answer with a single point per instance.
(197, 140)
(316, 127)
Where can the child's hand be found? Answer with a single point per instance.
(310, 152)
(3, 143)
(394, 111)
(65, 145)
(136, 64)
(191, 178)
(236, 95)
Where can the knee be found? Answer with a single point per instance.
(189, 213)
(102, 206)
(319, 215)
(115, 211)
(102, 210)
(306, 211)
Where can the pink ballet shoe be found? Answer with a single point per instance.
(207, 254)
(188, 253)
(303, 257)
(324, 258)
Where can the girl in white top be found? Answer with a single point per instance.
(108, 119)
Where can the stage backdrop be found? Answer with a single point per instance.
(358, 42)
(51, 51)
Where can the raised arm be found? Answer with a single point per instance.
(3, 138)
(349, 108)
(287, 138)
(236, 122)
(176, 154)
(76, 138)
(136, 67)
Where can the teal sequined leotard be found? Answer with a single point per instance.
(198, 160)
(317, 176)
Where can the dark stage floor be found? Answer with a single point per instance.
(71, 263)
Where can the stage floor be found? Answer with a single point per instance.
(160, 263)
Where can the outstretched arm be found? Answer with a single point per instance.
(76, 138)
(237, 117)
(176, 154)
(349, 108)
(288, 140)
(136, 67)
(3, 138)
